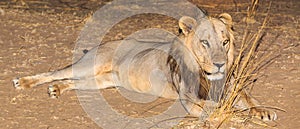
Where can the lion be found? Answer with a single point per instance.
(205, 54)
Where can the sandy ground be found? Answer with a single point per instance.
(39, 36)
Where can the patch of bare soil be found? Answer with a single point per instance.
(39, 36)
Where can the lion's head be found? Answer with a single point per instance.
(211, 42)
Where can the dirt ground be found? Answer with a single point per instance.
(39, 35)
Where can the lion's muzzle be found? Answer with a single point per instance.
(217, 73)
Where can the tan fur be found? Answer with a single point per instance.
(209, 41)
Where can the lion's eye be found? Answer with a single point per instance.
(225, 42)
(205, 42)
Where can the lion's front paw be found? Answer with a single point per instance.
(263, 114)
(53, 91)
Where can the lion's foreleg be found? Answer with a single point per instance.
(255, 109)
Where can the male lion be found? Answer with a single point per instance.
(206, 53)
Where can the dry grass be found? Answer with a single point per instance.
(244, 72)
(242, 75)
(244, 67)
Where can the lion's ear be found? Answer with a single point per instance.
(226, 19)
(187, 24)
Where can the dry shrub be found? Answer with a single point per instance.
(242, 75)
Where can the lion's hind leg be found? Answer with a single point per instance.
(54, 91)
(31, 81)
(35, 80)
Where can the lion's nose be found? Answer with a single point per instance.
(219, 65)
